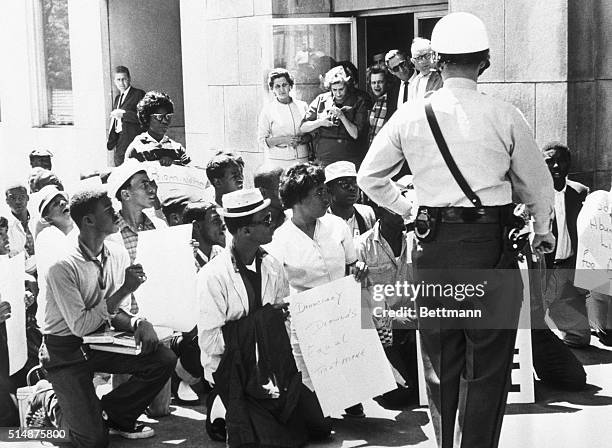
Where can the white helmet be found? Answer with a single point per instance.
(459, 33)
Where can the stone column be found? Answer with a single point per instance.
(529, 63)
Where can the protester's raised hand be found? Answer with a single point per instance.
(165, 161)
(134, 277)
(146, 337)
(360, 271)
(284, 307)
(5, 311)
(29, 299)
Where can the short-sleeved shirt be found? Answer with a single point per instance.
(313, 262)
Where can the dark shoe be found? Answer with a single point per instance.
(605, 337)
(140, 431)
(355, 411)
(216, 430)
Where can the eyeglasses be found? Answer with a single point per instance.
(162, 117)
(347, 184)
(401, 65)
(267, 221)
(423, 57)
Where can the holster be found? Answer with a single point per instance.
(514, 237)
(426, 224)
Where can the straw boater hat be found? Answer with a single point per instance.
(243, 203)
(339, 169)
(47, 194)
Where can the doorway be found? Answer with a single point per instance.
(381, 33)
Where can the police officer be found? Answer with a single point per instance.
(467, 370)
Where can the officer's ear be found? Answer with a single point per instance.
(484, 64)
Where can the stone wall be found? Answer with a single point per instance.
(590, 90)
(236, 47)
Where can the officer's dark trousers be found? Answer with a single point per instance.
(467, 370)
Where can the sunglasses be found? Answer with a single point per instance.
(161, 117)
(267, 221)
(347, 184)
(401, 65)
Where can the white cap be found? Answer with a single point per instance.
(243, 203)
(459, 33)
(47, 194)
(339, 169)
(122, 173)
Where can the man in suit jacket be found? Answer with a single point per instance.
(399, 66)
(566, 303)
(124, 124)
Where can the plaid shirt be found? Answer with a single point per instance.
(130, 241)
(377, 117)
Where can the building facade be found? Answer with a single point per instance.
(551, 59)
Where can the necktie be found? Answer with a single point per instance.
(120, 100)
(405, 92)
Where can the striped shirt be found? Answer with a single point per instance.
(129, 239)
(377, 117)
(145, 148)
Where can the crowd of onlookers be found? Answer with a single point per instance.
(305, 223)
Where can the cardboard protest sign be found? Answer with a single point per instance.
(594, 257)
(12, 290)
(177, 180)
(346, 363)
(168, 297)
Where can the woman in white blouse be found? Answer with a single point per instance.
(314, 246)
(278, 131)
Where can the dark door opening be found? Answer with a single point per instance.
(379, 34)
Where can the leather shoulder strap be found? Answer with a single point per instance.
(448, 158)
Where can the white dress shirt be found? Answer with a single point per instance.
(417, 85)
(490, 141)
(564, 244)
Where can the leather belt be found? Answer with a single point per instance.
(482, 215)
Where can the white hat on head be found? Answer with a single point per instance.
(47, 194)
(459, 33)
(121, 175)
(243, 203)
(339, 169)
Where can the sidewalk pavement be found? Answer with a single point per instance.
(557, 419)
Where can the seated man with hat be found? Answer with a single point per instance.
(237, 290)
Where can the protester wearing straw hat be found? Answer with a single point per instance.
(241, 281)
